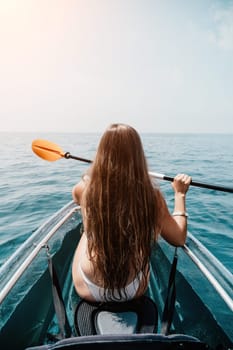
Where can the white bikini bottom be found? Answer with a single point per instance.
(102, 295)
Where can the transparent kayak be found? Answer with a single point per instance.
(204, 292)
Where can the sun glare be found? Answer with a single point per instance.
(8, 5)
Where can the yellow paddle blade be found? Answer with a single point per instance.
(47, 150)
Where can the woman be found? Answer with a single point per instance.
(123, 214)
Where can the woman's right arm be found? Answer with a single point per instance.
(174, 227)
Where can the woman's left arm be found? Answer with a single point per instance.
(174, 227)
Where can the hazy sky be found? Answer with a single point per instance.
(79, 65)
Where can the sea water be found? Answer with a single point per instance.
(32, 189)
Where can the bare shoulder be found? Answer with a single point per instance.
(78, 190)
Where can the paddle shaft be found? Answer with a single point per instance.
(195, 183)
(67, 155)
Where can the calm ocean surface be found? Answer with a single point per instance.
(32, 189)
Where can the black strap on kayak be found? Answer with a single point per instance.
(169, 305)
(59, 306)
(60, 310)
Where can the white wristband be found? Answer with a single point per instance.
(180, 213)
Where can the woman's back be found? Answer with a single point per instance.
(122, 213)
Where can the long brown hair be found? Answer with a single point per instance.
(121, 208)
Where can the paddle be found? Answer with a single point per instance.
(51, 152)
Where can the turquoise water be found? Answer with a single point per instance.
(32, 189)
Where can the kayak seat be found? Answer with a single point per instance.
(135, 316)
(127, 342)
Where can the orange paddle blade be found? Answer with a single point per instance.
(47, 150)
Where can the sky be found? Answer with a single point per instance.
(79, 65)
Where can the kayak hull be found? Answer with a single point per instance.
(27, 316)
